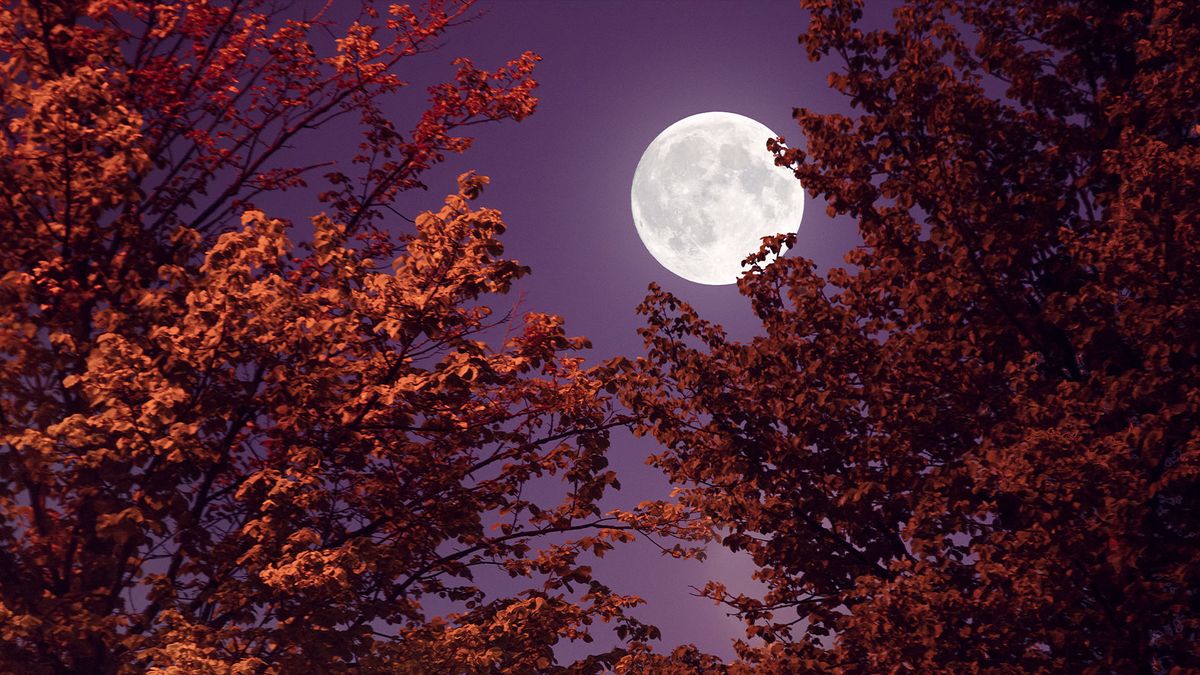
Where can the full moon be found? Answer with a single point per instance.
(705, 193)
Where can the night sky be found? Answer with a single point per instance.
(613, 75)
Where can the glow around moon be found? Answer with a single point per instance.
(705, 193)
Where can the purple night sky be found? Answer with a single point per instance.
(613, 75)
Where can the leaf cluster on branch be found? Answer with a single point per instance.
(975, 448)
(223, 451)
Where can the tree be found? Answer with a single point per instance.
(976, 447)
(227, 452)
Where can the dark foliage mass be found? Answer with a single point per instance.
(226, 453)
(976, 447)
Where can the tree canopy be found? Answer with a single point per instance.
(226, 451)
(975, 447)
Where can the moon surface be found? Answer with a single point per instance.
(705, 193)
